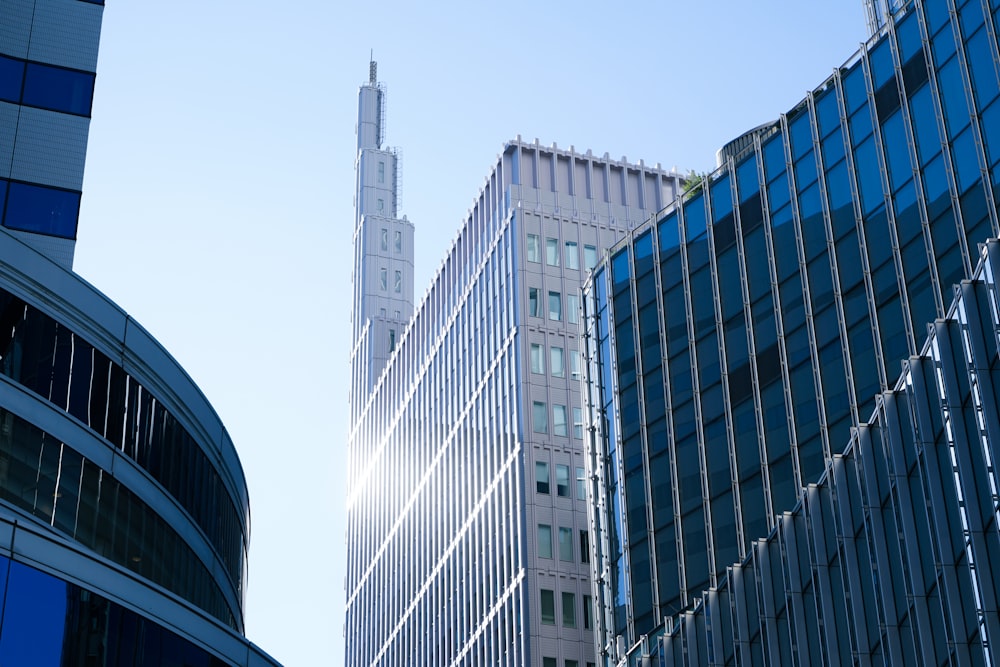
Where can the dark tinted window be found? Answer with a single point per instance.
(11, 78)
(34, 208)
(58, 89)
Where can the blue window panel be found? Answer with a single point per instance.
(908, 37)
(833, 149)
(861, 125)
(855, 91)
(694, 217)
(805, 171)
(11, 79)
(58, 89)
(800, 133)
(936, 14)
(869, 179)
(971, 17)
(956, 111)
(774, 157)
(746, 178)
(620, 268)
(667, 233)
(34, 208)
(838, 188)
(943, 47)
(925, 127)
(897, 154)
(722, 198)
(966, 161)
(991, 132)
(984, 77)
(3, 196)
(827, 111)
(777, 192)
(33, 635)
(880, 61)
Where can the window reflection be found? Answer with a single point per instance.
(49, 622)
(48, 479)
(56, 364)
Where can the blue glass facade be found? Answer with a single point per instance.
(890, 556)
(737, 339)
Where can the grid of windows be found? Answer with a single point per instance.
(451, 410)
(922, 469)
(741, 335)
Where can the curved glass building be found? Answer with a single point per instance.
(124, 517)
(738, 341)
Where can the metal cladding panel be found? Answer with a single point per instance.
(50, 148)
(15, 28)
(57, 249)
(66, 33)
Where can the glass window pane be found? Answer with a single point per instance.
(552, 252)
(397, 241)
(541, 477)
(58, 89)
(11, 77)
(584, 546)
(544, 541)
(569, 613)
(556, 358)
(578, 426)
(533, 250)
(589, 256)
(562, 480)
(548, 606)
(581, 480)
(385, 239)
(34, 208)
(539, 418)
(559, 423)
(537, 359)
(572, 255)
(555, 306)
(533, 301)
(565, 544)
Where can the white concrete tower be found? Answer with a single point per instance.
(382, 280)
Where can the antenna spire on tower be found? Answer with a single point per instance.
(372, 68)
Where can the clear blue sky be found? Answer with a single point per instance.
(217, 205)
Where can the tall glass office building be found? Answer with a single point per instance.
(467, 520)
(124, 516)
(740, 339)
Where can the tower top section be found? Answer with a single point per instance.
(371, 111)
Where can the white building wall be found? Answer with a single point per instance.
(443, 554)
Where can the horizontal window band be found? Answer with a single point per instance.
(45, 86)
(41, 209)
